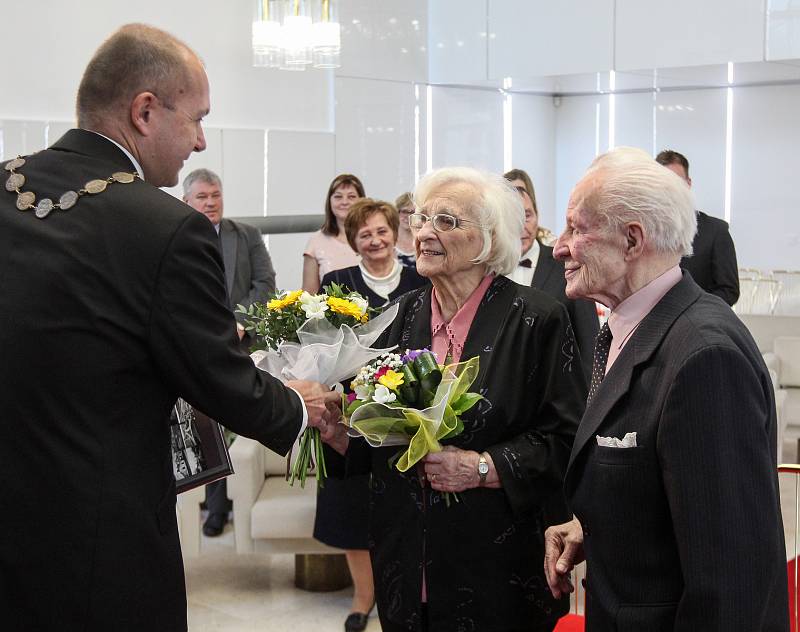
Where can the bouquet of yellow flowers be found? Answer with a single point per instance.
(279, 319)
(323, 337)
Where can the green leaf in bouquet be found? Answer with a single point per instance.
(352, 407)
(336, 290)
(409, 389)
(457, 430)
(464, 402)
(429, 375)
(428, 371)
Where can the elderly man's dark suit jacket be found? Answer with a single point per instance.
(713, 265)
(549, 278)
(108, 312)
(682, 532)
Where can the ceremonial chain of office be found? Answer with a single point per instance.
(26, 199)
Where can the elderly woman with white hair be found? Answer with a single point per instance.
(477, 563)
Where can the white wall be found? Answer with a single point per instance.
(376, 137)
(479, 40)
(277, 138)
(534, 149)
(241, 96)
(764, 198)
(549, 38)
(765, 213)
(658, 34)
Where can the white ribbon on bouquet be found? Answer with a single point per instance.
(325, 353)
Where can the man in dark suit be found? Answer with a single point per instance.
(249, 278)
(113, 304)
(713, 261)
(539, 269)
(672, 476)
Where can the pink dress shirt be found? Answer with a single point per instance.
(629, 313)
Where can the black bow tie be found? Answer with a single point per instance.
(526, 263)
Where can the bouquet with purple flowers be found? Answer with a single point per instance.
(410, 400)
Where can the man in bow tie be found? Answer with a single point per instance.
(672, 475)
(538, 268)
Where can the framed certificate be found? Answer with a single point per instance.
(199, 450)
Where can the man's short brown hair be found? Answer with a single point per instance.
(671, 157)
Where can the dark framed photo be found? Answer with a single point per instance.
(199, 450)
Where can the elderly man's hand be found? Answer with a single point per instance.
(563, 549)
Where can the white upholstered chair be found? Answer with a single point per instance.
(269, 516)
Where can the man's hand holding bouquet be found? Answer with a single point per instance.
(322, 338)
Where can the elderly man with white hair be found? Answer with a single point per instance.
(672, 475)
(477, 564)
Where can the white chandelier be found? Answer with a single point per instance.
(293, 34)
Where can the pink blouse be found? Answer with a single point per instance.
(330, 253)
(452, 335)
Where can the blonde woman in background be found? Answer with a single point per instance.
(405, 240)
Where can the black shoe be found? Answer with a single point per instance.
(214, 524)
(356, 622)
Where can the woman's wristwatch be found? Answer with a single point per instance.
(483, 468)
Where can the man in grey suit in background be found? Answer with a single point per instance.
(672, 476)
(249, 278)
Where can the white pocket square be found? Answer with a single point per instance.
(628, 441)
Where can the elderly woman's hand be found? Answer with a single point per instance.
(334, 430)
(455, 470)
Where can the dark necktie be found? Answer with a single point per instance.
(526, 263)
(601, 346)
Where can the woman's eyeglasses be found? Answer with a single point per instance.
(442, 222)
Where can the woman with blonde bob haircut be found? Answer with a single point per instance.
(430, 559)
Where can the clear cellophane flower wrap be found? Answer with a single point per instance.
(422, 430)
(325, 354)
